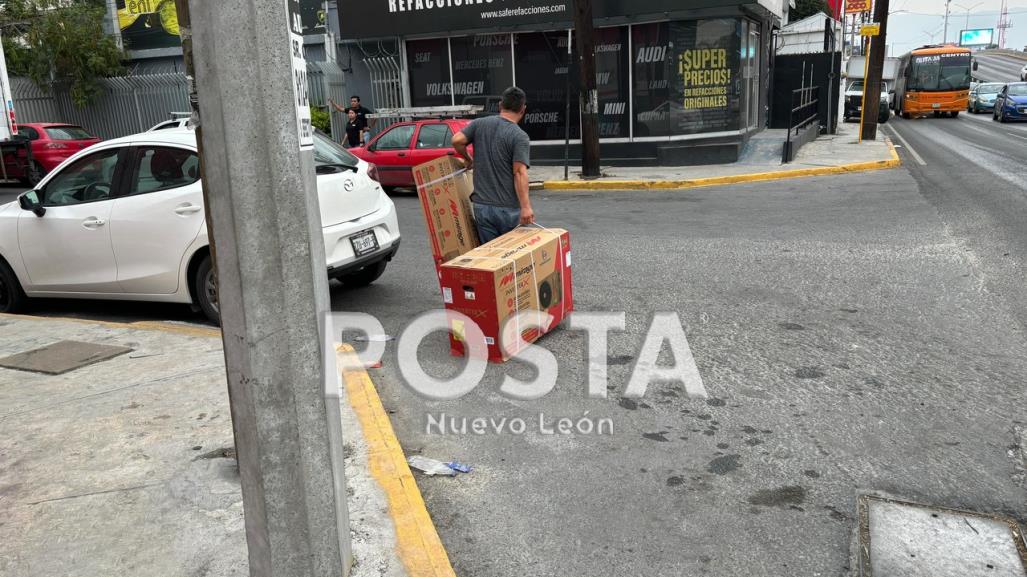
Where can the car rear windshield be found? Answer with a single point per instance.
(68, 133)
(1018, 89)
(989, 88)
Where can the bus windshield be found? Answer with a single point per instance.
(940, 72)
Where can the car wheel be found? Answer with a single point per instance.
(205, 287)
(35, 173)
(12, 297)
(365, 276)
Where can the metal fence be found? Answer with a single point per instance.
(133, 104)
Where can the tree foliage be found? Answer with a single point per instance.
(807, 8)
(62, 41)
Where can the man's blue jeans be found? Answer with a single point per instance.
(495, 221)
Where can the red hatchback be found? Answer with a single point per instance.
(51, 144)
(404, 145)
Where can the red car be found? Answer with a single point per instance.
(51, 143)
(404, 145)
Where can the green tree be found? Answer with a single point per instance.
(807, 8)
(62, 41)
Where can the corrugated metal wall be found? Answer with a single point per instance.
(132, 104)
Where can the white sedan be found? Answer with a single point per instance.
(124, 220)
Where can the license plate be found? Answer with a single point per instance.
(936, 105)
(364, 243)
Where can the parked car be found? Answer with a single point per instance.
(1011, 103)
(404, 145)
(854, 102)
(179, 122)
(51, 144)
(124, 220)
(1023, 73)
(982, 96)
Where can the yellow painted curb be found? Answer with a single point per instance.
(893, 162)
(418, 544)
(138, 325)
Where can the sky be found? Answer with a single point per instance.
(913, 22)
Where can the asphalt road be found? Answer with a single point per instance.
(850, 339)
(992, 67)
(973, 170)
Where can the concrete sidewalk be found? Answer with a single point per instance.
(761, 160)
(126, 466)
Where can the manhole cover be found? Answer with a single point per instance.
(62, 357)
(899, 539)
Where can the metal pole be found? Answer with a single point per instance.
(567, 115)
(589, 97)
(260, 192)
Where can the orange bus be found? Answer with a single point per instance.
(933, 79)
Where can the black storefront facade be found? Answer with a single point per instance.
(679, 81)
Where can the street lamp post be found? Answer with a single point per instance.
(966, 25)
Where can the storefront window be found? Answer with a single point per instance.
(707, 83)
(482, 69)
(428, 62)
(542, 72)
(652, 79)
(612, 82)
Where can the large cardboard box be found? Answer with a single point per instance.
(445, 188)
(527, 269)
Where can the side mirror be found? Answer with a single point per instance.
(975, 66)
(30, 201)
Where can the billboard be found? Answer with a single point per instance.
(857, 6)
(359, 19)
(976, 37)
(150, 24)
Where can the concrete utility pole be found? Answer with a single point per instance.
(262, 210)
(586, 44)
(872, 84)
(945, 33)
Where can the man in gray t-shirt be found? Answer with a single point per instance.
(501, 161)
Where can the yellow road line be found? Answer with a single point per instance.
(417, 541)
(138, 325)
(893, 162)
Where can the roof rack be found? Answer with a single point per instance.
(462, 110)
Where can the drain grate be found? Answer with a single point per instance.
(61, 357)
(900, 539)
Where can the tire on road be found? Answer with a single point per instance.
(12, 297)
(954, 114)
(205, 290)
(35, 173)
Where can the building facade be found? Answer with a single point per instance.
(679, 81)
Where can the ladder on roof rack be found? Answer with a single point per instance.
(463, 110)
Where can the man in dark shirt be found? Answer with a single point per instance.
(354, 105)
(502, 157)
